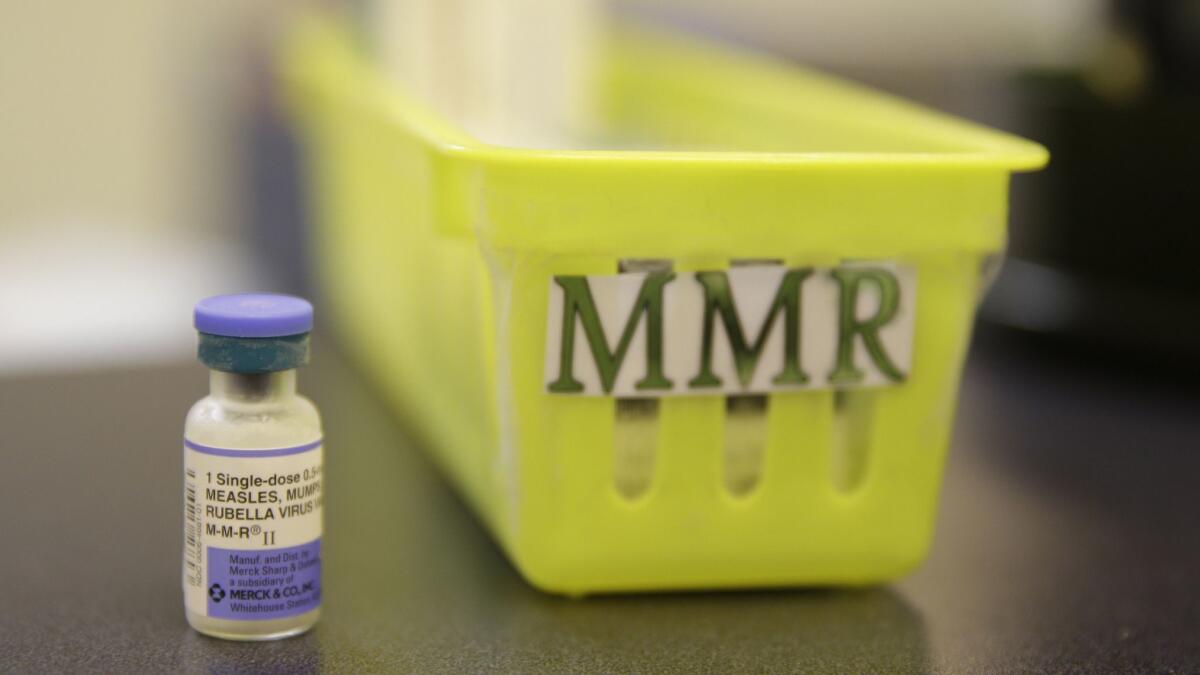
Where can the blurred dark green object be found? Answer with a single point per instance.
(1107, 252)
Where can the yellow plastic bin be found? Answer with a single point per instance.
(444, 260)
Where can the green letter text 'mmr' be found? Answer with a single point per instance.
(578, 301)
(718, 300)
(850, 281)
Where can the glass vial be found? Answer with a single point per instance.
(252, 474)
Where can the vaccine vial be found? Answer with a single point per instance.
(252, 474)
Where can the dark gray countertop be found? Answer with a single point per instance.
(1068, 540)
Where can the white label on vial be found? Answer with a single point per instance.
(252, 531)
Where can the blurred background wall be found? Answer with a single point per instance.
(122, 172)
(124, 110)
(144, 163)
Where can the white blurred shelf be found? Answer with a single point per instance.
(88, 296)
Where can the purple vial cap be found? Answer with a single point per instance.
(254, 315)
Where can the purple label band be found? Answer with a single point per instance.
(270, 452)
(270, 583)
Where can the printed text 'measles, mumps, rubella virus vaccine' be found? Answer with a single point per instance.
(252, 474)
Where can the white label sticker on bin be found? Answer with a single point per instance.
(753, 329)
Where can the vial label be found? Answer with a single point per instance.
(252, 531)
